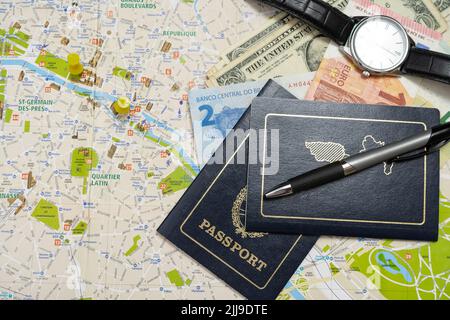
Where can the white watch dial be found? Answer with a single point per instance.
(380, 44)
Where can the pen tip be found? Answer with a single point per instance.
(279, 191)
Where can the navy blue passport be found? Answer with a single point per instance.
(209, 223)
(391, 200)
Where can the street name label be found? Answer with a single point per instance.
(137, 4)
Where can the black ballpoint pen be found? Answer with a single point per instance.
(425, 142)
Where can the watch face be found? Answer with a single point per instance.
(379, 44)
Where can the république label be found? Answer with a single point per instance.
(179, 33)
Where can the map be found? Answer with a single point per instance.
(333, 151)
(83, 189)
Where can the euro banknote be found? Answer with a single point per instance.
(214, 111)
(339, 80)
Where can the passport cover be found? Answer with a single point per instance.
(208, 223)
(390, 200)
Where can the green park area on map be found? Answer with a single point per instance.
(82, 161)
(3, 75)
(134, 246)
(122, 73)
(80, 228)
(54, 64)
(175, 278)
(409, 273)
(47, 213)
(175, 181)
(15, 41)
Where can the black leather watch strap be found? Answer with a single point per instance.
(428, 64)
(327, 19)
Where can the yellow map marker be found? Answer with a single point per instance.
(122, 106)
(75, 67)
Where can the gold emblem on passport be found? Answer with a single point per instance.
(237, 212)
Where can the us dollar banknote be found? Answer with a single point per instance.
(443, 7)
(425, 12)
(215, 111)
(285, 46)
(421, 18)
(275, 23)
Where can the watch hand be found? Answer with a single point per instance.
(387, 50)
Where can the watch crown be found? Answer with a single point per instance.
(366, 74)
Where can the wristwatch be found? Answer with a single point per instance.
(378, 45)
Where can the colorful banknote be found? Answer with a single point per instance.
(339, 80)
(422, 19)
(214, 111)
(424, 12)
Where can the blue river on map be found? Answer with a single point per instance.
(389, 261)
(294, 292)
(97, 95)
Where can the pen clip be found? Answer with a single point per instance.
(427, 151)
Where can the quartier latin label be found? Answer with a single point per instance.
(234, 246)
(102, 179)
